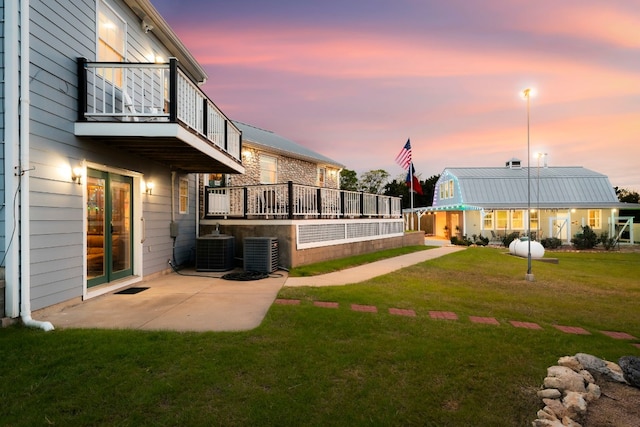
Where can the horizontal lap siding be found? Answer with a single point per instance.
(62, 31)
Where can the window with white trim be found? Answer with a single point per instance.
(268, 169)
(446, 189)
(322, 177)
(502, 220)
(595, 218)
(488, 220)
(534, 219)
(111, 43)
(184, 196)
(517, 220)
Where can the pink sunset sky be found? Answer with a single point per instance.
(354, 79)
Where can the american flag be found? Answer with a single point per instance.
(404, 156)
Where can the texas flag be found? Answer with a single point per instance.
(416, 182)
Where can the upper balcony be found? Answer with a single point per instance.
(157, 112)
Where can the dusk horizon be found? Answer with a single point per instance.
(353, 81)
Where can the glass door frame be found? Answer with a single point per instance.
(114, 210)
(137, 224)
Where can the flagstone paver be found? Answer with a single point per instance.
(326, 304)
(450, 315)
(402, 312)
(525, 325)
(365, 308)
(287, 301)
(485, 320)
(572, 330)
(619, 335)
(447, 315)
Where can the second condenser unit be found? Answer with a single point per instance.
(260, 254)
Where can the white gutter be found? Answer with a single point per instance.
(11, 136)
(25, 230)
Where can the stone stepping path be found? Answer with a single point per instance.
(450, 315)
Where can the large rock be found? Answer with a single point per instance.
(575, 404)
(564, 379)
(630, 366)
(571, 362)
(595, 364)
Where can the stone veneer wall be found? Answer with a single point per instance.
(290, 256)
(289, 169)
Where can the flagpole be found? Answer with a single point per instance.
(411, 192)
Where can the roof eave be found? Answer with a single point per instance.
(161, 29)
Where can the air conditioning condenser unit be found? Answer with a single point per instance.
(261, 254)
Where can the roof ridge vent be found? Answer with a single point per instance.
(513, 164)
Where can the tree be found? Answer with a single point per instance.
(627, 196)
(399, 188)
(348, 180)
(373, 181)
(429, 188)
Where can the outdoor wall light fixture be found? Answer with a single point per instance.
(148, 187)
(76, 175)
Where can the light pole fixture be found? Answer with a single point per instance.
(538, 156)
(529, 276)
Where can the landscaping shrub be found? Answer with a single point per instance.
(588, 239)
(506, 240)
(607, 242)
(466, 241)
(551, 243)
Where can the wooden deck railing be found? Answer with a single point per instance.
(296, 201)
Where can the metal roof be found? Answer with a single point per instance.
(273, 142)
(505, 187)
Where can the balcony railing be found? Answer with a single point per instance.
(296, 201)
(155, 93)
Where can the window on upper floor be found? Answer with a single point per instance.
(111, 43)
(595, 218)
(268, 169)
(217, 180)
(322, 177)
(446, 190)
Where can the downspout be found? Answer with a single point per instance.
(197, 205)
(11, 138)
(25, 231)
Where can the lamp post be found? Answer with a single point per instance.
(539, 155)
(529, 276)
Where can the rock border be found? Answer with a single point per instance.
(569, 387)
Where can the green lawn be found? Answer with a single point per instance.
(313, 366)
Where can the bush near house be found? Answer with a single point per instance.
(507, 239)
(551, 243)
(607, 242)
(466, 241)
(588, 239)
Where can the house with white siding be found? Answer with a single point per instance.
(104, 131)
(496, 201)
